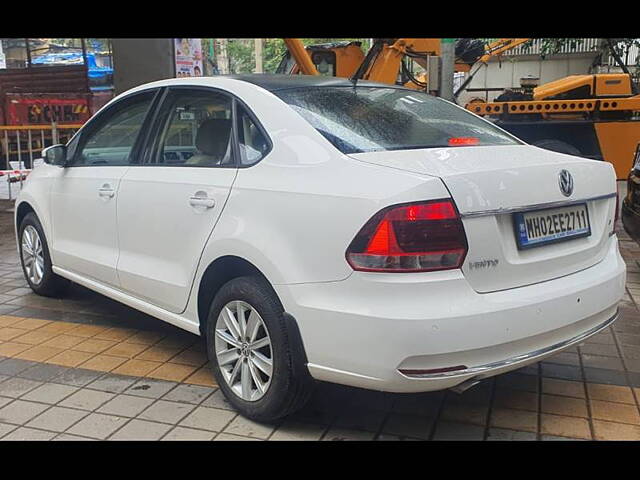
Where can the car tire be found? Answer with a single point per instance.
(38, 273)
(289, 386)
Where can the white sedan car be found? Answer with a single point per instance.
(367, 235)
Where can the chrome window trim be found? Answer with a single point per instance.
(518, 358)
(537, 206)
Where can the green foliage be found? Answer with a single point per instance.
(241, 52)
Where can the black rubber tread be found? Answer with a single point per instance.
(291, 385)
(52, 285)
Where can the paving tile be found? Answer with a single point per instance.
(516, 399)
(112, 383)
(337, 434)
(565, 372)
(404, 425)
(23, 433)
(141, 430)
(39, 353)
(70, 358)
(475, 414)
(93, 345)
(9, 349)
(502, 434)
(20, 412)
(34, 337)
(6, 428)
(63, 341)
(191, 357)
(42, 372)
(422, 404)
(16, 387)
(5, 400)
(217, 400)
(7, 320)
(457, 431)
(566, 388)
(208, 419)
(615, 412)
(103, 363)
(97, 425)
(86, 330)
(564, 358)
(57, 419)
(555, 438)
(86, 399)
(125, 405)
(225, 437)
(599, 349)
(188, 393)
(116, 334)
(182, 433)
(150, 388)
(13, 366)
(77, 377)
(610, 377)
(71, 438)
(9, 333)
(514, 419)
(248, 428)
(158, 353)
(597, 361)
(518, 381)
(49, 393)
(360, 419)
(564, 426)
(615, 431)
(172, 372)
(203, 376)
(295, 431)
(167, 412)
(136, 368)
(126, 350)
(568, 406)
(610, 393)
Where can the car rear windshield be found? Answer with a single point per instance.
(369, 119)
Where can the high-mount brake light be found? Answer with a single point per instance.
(461, 141)
(415, 237)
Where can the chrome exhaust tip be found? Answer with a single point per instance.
(466, 385)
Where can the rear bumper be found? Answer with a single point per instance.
(361, 331)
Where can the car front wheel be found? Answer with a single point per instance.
(250, 346)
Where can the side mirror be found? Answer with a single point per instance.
(55, 155)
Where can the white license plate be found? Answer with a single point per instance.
(541, 227)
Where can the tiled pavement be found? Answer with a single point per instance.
(86, 367)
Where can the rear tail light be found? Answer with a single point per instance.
(414, 237)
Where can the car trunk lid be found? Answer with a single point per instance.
(490, 184)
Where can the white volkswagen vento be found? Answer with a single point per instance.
(366, 235)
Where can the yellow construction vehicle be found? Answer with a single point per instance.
(595, 116)
(387, 60)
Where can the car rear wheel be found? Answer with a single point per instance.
(250, 346)
(36, 261)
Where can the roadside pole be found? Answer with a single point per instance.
(447, 59)
(258, 54)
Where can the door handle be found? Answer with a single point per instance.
(201, 199)
(106, 191)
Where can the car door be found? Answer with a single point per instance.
(85, 192)
(169, 206)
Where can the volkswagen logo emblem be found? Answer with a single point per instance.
(565, 180)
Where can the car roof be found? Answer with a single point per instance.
(274, 82)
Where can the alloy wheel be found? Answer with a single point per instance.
(243, 350)
(32, 255)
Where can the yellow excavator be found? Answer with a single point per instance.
(388, 60)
